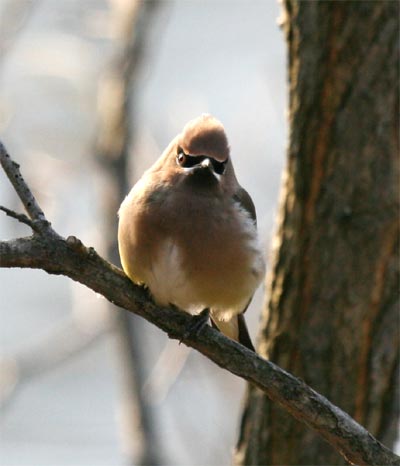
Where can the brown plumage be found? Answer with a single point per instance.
(205, 136)
(187, 230)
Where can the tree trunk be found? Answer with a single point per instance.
(332, 315)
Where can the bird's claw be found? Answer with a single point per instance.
(197, 323)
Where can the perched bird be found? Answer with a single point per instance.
(187, 230)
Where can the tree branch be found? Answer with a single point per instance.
(48, 251)
(11, 168)
(132, 25)
(20, 217)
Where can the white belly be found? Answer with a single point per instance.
(168, 281)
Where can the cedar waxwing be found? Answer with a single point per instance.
(187, 231)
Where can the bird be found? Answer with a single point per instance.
(187, 231)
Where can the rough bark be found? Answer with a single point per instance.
(332, 312)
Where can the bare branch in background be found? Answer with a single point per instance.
(131, 23)
(50, 252)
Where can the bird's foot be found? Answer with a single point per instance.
(197, 323)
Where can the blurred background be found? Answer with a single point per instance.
(91, 92)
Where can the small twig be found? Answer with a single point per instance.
(20, 217)
(40, 224)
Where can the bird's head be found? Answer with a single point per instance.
(199, 155)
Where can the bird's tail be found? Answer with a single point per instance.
(234, 328)
(244, 336)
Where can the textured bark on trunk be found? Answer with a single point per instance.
(332, 310)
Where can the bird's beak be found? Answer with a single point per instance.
(206, 163)
(205, 168)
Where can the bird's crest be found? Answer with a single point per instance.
(205, 135)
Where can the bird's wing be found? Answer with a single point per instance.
(236, 327)
(243, 198)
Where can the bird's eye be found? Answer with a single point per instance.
(181, 158)
(187, 161)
